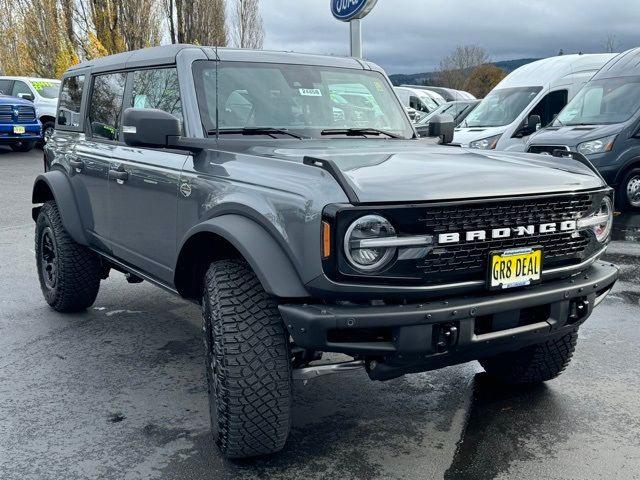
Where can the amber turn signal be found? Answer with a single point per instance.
(326, 240)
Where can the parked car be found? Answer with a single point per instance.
(43, 92)
(602, 122)
(449, 94)
(299, 235)
(458, 110)
(526, 100)
(19, 124)
(420, 100)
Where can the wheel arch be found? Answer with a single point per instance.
(628, 166)
(235, 236)
(54, 185)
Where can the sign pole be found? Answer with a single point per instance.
(356, 38)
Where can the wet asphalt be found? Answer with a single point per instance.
(118, 392)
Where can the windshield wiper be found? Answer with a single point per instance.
(358, 132)
(258, 131)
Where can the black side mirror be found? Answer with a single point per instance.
(146, 127)
(533, 122)
(439, 126)
(27, 96)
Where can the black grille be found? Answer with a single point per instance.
(26, 114)
(467, 261)
(470, 258)
(547, 148)
(6, 113)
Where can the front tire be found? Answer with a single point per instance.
(629, 190)
(248, 362)
(69, 273)
(48, 129)
(534, 364)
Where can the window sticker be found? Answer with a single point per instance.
(40, 85)
(310, 92)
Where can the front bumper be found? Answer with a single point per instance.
(419, 337)
(33, 132)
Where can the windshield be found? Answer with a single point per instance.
(303, 99)
(611, 100)
(453, 109)
(501, 107)
(46, 88)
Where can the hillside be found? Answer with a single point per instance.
(431, 78)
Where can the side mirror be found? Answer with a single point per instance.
(439, 126)
(533, 122)
(27, 96)
(146, 127)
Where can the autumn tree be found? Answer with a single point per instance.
(454, 69)
(483, 79)
(201, 22)
(247, 30)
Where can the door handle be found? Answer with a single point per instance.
(120, 176)
(77, 165)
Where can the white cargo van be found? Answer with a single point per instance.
(527, 99)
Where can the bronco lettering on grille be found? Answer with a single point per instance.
(506, 232)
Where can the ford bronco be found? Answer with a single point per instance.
(302, 224)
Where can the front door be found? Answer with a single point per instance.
(144, 184)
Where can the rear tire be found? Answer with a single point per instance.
(628, 194)
(69, 273)
(535, 364)
(248, 362)
(23, 146)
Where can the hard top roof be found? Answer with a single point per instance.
(166, 55)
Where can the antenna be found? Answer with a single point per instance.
(217, 102)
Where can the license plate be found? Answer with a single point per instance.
(18, 129)
(517, 267)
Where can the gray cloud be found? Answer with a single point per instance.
(407, 36)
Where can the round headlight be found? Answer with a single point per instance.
(604, 220)
(359, 243)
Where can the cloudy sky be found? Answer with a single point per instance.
(410, 36)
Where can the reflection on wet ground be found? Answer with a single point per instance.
(626, 227)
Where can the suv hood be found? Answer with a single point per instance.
(465, 135)
(8, 100)
(572, 135)
(418, 170)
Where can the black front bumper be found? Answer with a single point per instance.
(426, 336)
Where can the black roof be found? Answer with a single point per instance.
(166, 55)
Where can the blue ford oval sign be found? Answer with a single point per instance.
(347, 10)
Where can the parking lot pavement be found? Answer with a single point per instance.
(119, 392)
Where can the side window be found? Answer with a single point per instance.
(5, 87)
(106, 105)
(20, 87)
(550, 106)
(157, 89)
(69, 102)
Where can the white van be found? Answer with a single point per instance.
(423, 101)
(43, 92)
(527, 99)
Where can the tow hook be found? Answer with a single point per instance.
(446, 336)
(578, 310)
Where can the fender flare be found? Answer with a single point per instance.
(57, 183)
(266, 257)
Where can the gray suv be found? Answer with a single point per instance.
(302, 223)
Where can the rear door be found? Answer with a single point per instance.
(143, 205)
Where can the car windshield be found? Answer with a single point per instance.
(301, 99)
(46, 88)
(606, 101)
(501, 107)
(453, 109)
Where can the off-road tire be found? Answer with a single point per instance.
(622, 196)
(248, 362)
(76, 268)
(23, 146)
(534, 364)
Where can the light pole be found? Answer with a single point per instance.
(353, 11)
